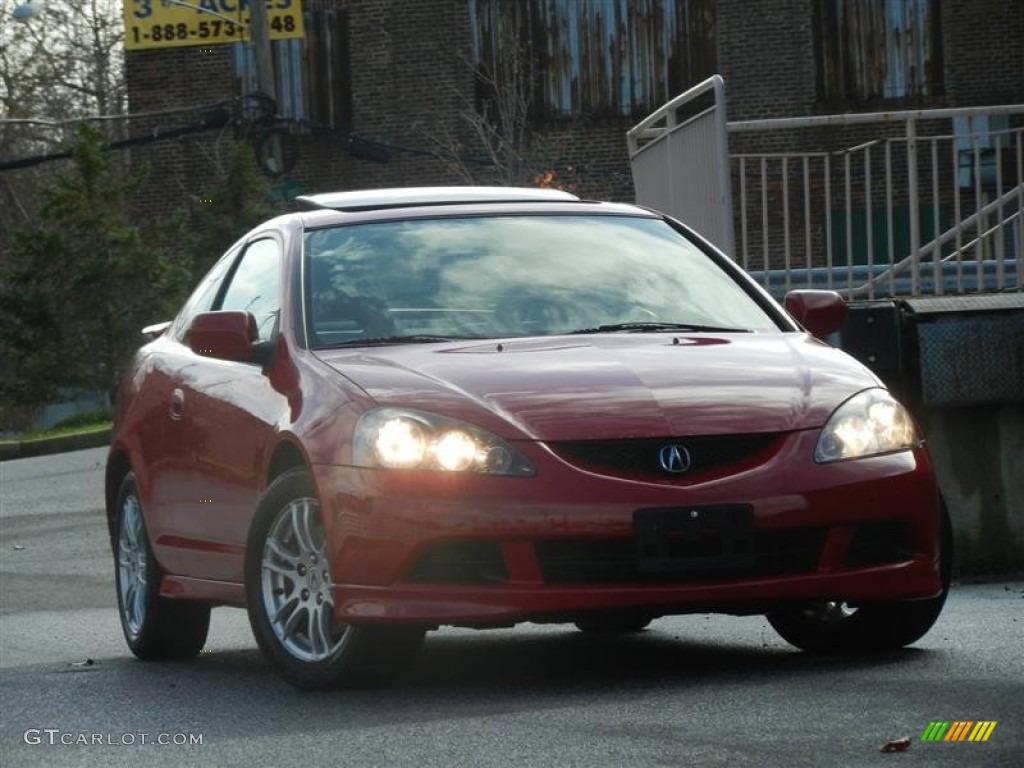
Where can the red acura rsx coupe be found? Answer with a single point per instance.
(474, 406)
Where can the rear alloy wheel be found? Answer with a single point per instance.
(291, 605)
(840, 627)
(155, 627)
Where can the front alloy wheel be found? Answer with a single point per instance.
(296, 584)
(290, 602)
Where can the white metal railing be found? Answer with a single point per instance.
(934, 250)
(935, 207)
(678, 143)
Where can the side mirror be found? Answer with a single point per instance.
(226, 335)
(820, 312)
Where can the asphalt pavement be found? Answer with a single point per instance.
(691, 691)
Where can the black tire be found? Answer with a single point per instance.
(287, 575)
(155, 628)
(613, 624)
(828, 628)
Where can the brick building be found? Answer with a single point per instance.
(389, 78)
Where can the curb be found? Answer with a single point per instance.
(62, 444)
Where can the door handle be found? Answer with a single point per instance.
(177, 404)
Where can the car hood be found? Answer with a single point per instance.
(614, 385)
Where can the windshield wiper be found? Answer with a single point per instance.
(381, 341)
(656, 327)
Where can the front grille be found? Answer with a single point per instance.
(459, 562)
(613, 561)
(879, 544)
(640, 457)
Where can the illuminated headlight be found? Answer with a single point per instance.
(397, 438)
(868, 424)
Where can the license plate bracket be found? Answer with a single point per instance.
(704, 537)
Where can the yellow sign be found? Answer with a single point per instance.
(173, 23)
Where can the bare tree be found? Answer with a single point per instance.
(63, 65)
(57, 68)
(493, 138)
(500, 123)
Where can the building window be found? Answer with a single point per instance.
(311, 75)
(870, 50)
(597, 57)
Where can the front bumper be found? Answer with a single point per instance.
(559, 543)
(450, 604)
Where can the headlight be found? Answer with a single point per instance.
(867, 424)
(398, 438)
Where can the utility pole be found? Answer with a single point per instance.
(259, 32)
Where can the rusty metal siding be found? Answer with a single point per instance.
(286, 56)
(311, 75)
(599, 57)
(327, 71)
(879, 49)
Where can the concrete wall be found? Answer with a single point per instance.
(979, 459)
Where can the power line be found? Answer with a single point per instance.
(54, 123)
(212, 120)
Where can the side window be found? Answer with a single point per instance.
(255, 285)
(202, 297)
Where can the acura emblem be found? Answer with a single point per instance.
(674, 459)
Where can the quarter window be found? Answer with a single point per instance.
(202, 297)
(255, 286)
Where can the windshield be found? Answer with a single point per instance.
(423, 280)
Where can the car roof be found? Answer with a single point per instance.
(435, 202)
(401, 197)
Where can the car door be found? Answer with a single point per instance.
(230, 412)
(168, 442)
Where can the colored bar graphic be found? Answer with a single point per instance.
(982, 730)
(958, 730)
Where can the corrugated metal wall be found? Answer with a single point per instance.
(879, 49)
(311, 75)
(599, 57)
